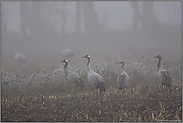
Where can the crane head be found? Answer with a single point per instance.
(121, 62)
(65, 61)
(158, 56)
(87, 56)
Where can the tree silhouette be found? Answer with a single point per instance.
(31, 18)
(90, 17)
(78, 17)
(63, 15)
(25, 12)
(36, 18)
(136, 15)
(148, 20)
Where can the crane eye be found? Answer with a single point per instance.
(65, 60)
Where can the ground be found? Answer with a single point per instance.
(132, 104)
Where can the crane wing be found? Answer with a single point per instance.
(122, 81)
(165, 78)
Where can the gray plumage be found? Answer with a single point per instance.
(73, 77)
(67, 53)
(94, 78)
(122, 79)
(164, 76)
(20, 57)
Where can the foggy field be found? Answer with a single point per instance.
(34, 93)
(35, 88)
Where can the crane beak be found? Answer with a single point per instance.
(117, 62)
(155, 57)
(120, 62)
(83, 57)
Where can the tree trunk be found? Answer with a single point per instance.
(35, 19)
(63, 18)
(136, 15)
(24, 16)
(90, 17)
(78, 17)
(149, 21)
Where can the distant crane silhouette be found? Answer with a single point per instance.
(72, 77)
(164, 76)
(122, 79)
(94, 78)
(67, 53)
(20, 57)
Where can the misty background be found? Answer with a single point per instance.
(107, 30)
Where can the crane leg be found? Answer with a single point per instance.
(74, 91)
(161, 87)
(98, 92)
(125, 90)
(169, 90)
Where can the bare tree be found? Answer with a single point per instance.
(78, 17)
(25, 12)
(136, 15)
(90, 17)
(31, 17)
(36, 18)
(148, 19)
(63, 14)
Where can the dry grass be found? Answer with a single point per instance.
(144, 104)
(33, 94)
(44, 97)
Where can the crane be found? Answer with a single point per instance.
(122, 79)
(94, 78)
(164, 76)
(20, 57)
(67, 53)
(72, 77)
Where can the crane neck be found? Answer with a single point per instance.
(65, 68)
(122, 67)
(88, 65)
(66, 63)
(159, 65)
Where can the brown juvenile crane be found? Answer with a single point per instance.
(164, 76)
(122, 79)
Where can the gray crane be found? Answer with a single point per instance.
(72, 77)
(94, 78)
(67, 53)
(164, 76)
(20, 57)
(122, 79)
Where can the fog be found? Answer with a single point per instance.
(37, 36)
(106, 30)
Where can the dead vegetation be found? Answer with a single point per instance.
(33, 94)
(133, 104)
(44, 97)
